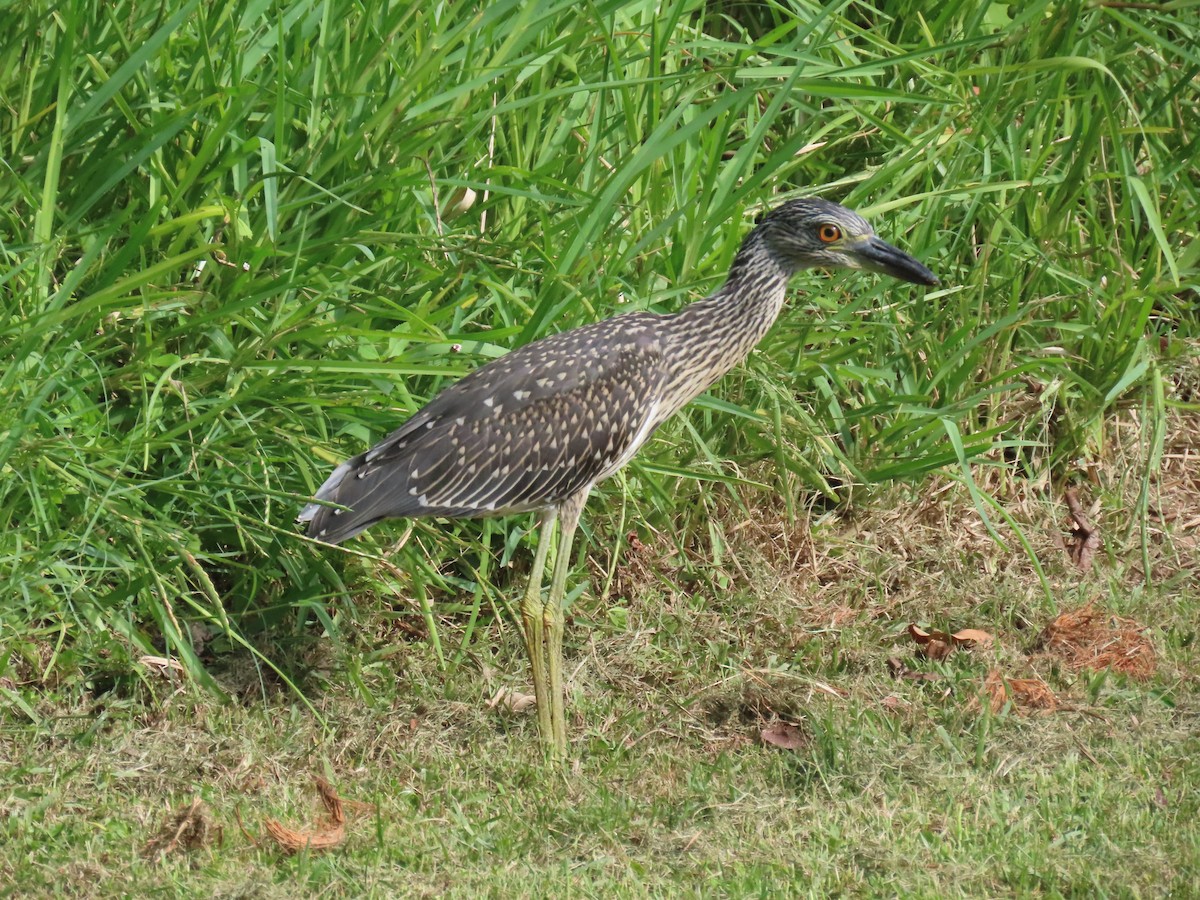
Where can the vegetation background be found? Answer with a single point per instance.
(243, 239)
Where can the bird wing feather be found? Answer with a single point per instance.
(523, 432)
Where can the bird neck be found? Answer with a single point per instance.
(713, 335)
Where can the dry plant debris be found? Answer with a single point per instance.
(784, 736)
(325, 837)
(898, 669)
(1085, 536)
(187, 828)
(162, 666)
(1087, 638)
(1025, 694)
(512, 701)
(939, 644)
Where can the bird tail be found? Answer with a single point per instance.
(333, 524)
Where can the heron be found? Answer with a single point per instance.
(538, 428)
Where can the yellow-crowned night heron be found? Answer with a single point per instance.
(537, 428)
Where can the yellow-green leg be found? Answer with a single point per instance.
(533, 613)
(568, 514)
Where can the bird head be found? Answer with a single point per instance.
(813, 233)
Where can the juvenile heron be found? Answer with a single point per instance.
(538, 428)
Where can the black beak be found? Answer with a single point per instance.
(878, 255)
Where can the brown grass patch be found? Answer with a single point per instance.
(1087, 638)
(186, 829)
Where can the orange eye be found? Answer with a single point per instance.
(829, 233)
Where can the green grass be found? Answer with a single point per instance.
(228, 261)
(901, 787)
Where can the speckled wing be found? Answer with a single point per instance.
(523, 432)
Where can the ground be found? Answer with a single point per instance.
(768, 726)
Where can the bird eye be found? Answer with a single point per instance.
(829, 233)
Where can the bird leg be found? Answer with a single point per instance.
(568, 512)
(533, 612)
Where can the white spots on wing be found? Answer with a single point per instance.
(489, 402)
(423, 499)
(362, 473)
(521, 395)
(461, 420)
(412, 492)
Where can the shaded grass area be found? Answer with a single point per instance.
(897, 786)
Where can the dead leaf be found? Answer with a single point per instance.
(458, 203)
(161, 665)
(935, 649)
(938, 644)
(1086, 536)
(512, 701)
(968, 637)
(784, 736)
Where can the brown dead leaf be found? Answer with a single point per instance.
(187, 828)
(935, 649)
(1085, 536)
(969, 637)
(784, 736)
(162, 665)
(939, 644)
(1087, 638)
(512, 701)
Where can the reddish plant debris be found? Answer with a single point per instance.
(1088, 638)
(1025, 694)
(325, 836)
